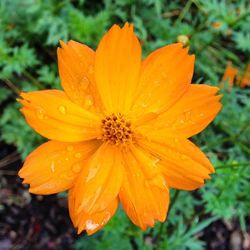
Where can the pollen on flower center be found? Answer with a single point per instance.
(116, 129)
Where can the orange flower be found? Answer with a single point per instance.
(118, 131)
(232, 77)
(216, 25)
(244, 81)
(229, 75)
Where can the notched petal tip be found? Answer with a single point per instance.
(62, 44)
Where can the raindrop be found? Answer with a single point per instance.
(176, 139)
(90, 225)
(78, 155)
(91, 70)
(183, 157)
(155, 162)
(40, 114)
(70, 148)
(52, 166)
(84, 83)
(62, 109)
(88, 101)
(92, 174)
(76, 168)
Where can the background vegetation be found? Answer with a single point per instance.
(218, 31)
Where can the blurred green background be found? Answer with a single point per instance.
(214, 217)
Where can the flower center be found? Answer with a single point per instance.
(116, 129)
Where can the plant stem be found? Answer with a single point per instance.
(242, 164)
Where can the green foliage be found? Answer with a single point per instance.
(29, 34)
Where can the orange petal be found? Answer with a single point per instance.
(76, 69)
(54, 116)
(145, 199)
(187, 117)
(91, 222)
(182, 163)
(100, 181)
(165, 76)
(117, 67)
(53, 166)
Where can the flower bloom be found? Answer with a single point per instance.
(233, 77)
(216, 25)
(229, 75)
(244, 81)
(119, 130)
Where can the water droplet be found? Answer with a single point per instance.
(84, 83)
(40, 113)
(88, 101)
(76, 168)
(155, 162)
(62, 109)
(90, 225)
(78, 155)
(52, 166)
(183, 157)
(92, 174)
(70, 148)
(91, 70)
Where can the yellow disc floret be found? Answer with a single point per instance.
(116, 129)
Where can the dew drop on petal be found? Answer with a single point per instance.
(91, 70)
(90, 225)
(62, 109)
(70, 148)
(92, 174)
(183, 157)
(88, 101)
(78, 155)
(76, 168)
(155, 162)
(52, 166)
(84, 83)
(40, 113)
(176, 140)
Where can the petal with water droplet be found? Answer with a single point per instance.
(52, 168)
(160, 84)
(188, 116)
(144, 199)
(184, 165)
(54, 116)
(100, 180)
(90, 222)
(76, 68)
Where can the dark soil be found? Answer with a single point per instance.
(33, 222)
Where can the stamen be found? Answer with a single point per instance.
(116, 129)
